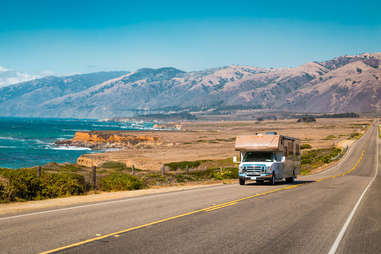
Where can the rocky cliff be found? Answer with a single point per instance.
(101, 140)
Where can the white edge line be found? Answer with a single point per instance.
(100, 203)
(336, 244)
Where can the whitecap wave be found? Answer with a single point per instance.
(72, 148)
(38, 141)
(112, 149)
(13, 139)
(6, 147)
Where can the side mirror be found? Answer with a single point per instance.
(235, 159)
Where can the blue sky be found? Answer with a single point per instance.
(65, 37)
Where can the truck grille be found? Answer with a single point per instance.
(254, 170)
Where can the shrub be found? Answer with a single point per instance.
(3, 196)
(354, 135)
(306, 119)
(114, 165)
(62, 184)
(329, 137)
(318, 157)
(119, 181)
(173, 166)
(229, 173)
(23, 184)
(305, 146)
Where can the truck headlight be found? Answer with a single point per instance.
(269, 169)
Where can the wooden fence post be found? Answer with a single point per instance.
(133, 169)
(39, 171)
(94, 180)
(163, 170)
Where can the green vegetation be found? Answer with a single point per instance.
(23, 184)
(305, 146)
(229, 173)
(318, 157)
(114, 165)
(330, 137)
(306, 119)
(173, 166)
(355, 135)
(119, 181)
(58, 180)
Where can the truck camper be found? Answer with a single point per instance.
(268, 157)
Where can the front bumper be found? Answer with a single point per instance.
(259, 177)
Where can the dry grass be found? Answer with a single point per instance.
(215, 140)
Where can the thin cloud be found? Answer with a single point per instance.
(10, 77)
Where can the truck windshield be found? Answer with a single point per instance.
(258, 157)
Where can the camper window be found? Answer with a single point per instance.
(258, 157)
(297, 150)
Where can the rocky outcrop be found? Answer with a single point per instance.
(110, 139)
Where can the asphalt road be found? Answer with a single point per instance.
(315, 215)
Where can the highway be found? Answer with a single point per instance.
(336, 211)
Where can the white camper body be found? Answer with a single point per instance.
(269, 157)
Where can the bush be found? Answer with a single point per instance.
(119, 181)
(23, 184)
(355, 135)
(318, 157)
(114, 165)
(230, 173)
(329, 137)
(3, 196)
(62, 184)
(306, 119)
(305, 146)
(173, 166)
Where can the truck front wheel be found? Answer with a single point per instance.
(273, 181)
(241, 181)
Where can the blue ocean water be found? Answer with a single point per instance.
(27, 142)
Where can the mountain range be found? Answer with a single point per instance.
(343, 84)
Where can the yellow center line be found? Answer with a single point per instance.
(219, 207)
(208, 209)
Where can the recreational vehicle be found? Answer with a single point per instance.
(267, 157)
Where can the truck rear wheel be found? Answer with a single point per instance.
(291, 179)
(241, 181)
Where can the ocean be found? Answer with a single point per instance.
(27, 142)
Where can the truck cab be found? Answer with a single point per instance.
(267, 157)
